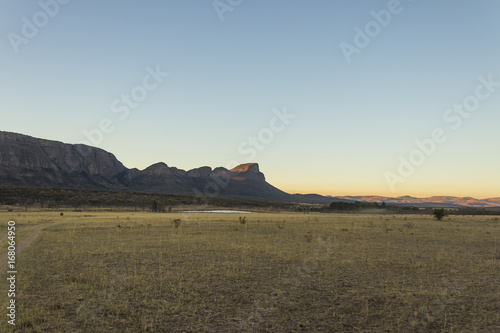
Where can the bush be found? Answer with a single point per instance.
(177, 223)
(439, 214)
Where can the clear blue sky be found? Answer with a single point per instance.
(227, 78)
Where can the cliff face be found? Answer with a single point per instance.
(28, 161)
(24, 152)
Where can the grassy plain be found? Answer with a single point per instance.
(138, 272)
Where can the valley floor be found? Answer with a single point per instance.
(148, 272)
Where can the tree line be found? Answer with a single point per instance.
(382, 207)
(58, 198)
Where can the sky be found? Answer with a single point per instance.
(351, 97)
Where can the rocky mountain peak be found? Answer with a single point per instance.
(248, 167)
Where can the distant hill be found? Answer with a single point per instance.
(435, 201)
(32, 162)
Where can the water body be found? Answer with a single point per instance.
(218, 211)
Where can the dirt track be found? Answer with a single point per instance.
(21, 245)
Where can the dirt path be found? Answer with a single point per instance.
(20, 246)
(4, 235)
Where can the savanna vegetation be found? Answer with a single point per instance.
(35, 198)
(26, 198)
(266, 272)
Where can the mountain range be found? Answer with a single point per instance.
(434, 201)
(34, 162)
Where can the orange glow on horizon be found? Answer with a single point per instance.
(386, 193)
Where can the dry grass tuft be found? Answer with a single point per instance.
(177, 223)
(281, 224)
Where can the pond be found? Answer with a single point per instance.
(222, 211)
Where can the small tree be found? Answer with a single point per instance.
(158, 207)
(439, 214)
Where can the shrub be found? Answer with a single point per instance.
(439, 214)
(308, 237)
(177, 223)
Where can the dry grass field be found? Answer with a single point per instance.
(145, 272)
